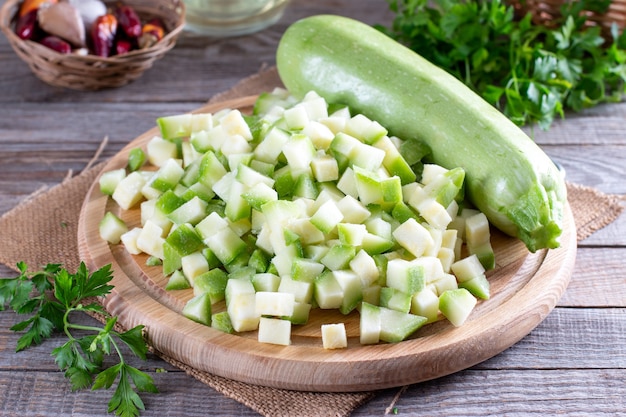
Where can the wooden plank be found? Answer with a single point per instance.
(82, 127)
(599, 279)
(23, 360)
(569, 338)
(524, 375)
(591, 166)
(525, 392)
(612, 235)
(468, 393)
(48, 394)
(521, 376)
(602, 125)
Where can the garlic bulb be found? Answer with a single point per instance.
(89, 10)
(63, 20)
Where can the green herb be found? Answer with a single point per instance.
(50, 297)
(532, 73)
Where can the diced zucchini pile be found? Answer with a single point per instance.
(301, 206)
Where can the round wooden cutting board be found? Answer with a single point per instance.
(525, 287)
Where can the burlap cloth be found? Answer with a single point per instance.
(43, 229)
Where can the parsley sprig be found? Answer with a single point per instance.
(51, 297)
(532, 73)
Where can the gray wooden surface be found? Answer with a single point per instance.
(574, 363)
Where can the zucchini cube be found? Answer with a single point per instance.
(478, 286)
(274, 331)
(192, 212)
(111, 228)
(109, 180)
(369, 324)
(334, 336)
(274, 303)
(350, 284)
(168, 175)
(226, 245)
(396, 326)
(414, 237)
(213, 283)
(368, 186)
(467, 268)
(395, 299)
(365, 129)
(328, 293)
(406, 276)
(159, 150)
(211, 169)
(425, 303)
(301, 290)
(338, 257)
(394, 162)
(456, 305)
(198, 309)
(327, 217)
(221, 321)
(266, 281)
(128, 190)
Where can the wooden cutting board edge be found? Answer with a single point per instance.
(311, 368)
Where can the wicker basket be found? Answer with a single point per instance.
(544, 12)
(89, 72)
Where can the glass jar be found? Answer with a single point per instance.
(221, 18)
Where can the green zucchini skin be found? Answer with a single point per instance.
(509, 177)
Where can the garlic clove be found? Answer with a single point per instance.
(89, 10)
(63, 20)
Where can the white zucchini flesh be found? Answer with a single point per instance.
(350, 242)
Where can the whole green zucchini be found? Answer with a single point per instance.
(509, 177)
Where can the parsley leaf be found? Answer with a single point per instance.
(135, 341)
(40, 328)
(532, 73)
(125, 401)
(80, 357)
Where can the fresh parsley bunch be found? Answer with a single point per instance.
(51, 296)
(532, 73)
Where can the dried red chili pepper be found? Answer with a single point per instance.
(29, 5)
(57, 44)
(123, 46)
(103, 33)
(128, 21)
(26, 25)
(152, 32)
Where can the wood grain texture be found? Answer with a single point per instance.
(599, 280)
(464, 394)
(596, 333)
(524, 289)
(595, 393)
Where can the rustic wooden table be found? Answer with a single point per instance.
(574, 363)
